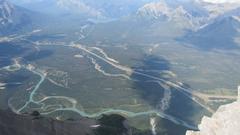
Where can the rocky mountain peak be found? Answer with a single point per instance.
(225, 121)
(154, 10)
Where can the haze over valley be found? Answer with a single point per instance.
(158, 65)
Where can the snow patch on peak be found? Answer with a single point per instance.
(216, 10)
(154, 9)
(181, 12)
(178, 14)
(237, 18)
(6, 11)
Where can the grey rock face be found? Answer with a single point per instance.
(225, 121)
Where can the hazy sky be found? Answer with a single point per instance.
(212, 1)
(222, 1)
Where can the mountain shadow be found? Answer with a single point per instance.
(170, 100)
(9, 51)
(38, 55)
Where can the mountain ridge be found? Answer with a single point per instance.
(6, 12)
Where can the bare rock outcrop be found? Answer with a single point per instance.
(225, 121)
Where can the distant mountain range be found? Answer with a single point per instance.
(206, 25)
(92, 8)
(119, 8)
(196, 14)
(174, 19)
(13, 18)
(222, 33)
(147, 20)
